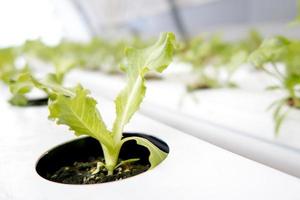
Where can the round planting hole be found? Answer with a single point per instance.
(76, 162)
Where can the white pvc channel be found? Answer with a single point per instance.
(194, 169)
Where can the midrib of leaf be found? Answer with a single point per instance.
(155, 54)
(131, 96)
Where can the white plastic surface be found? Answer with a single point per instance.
(194, 169)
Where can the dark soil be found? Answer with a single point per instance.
(153, 77)
(293, 103)
(79, 161)
(197, 86)
(82, 172)
(37, 102)
(204, 86)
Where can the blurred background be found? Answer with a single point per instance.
(52, 20)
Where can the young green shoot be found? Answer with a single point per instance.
(214, 60)
(77, 109)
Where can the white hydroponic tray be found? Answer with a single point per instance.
(194, 169)
(241, 111)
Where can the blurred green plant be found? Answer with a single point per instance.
(282, 55)
(7, 64)
(20, 83)
(96, 54)
(214, 60)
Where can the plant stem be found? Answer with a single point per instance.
(111, 157)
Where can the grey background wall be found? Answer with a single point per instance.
(196, 15)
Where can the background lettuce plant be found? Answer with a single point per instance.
(214, 60)
(275, 51)
(7, 64)
(17, 77)
(95, 54)
(22, 82)
(9, 71)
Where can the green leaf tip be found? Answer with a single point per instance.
(153, 58)
(140, 61)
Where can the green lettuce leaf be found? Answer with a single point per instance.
(22, 83)
(19, 85)
(271, 50)
(156, 155)
(52, 86)
(140, 61)
(80, 114)
(18, 100)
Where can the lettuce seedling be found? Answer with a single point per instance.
(214, 60)
(19, 78)
(96, 54)
(7, 64)
(77, 109)
(9, 71)
(274, 51)
(24, 81)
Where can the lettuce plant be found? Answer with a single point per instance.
(9, 71)
(22, 82)
(77, 109)
(19, 77)
(214, 61)
(96, 54)
(276, 51)
(7, 64)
